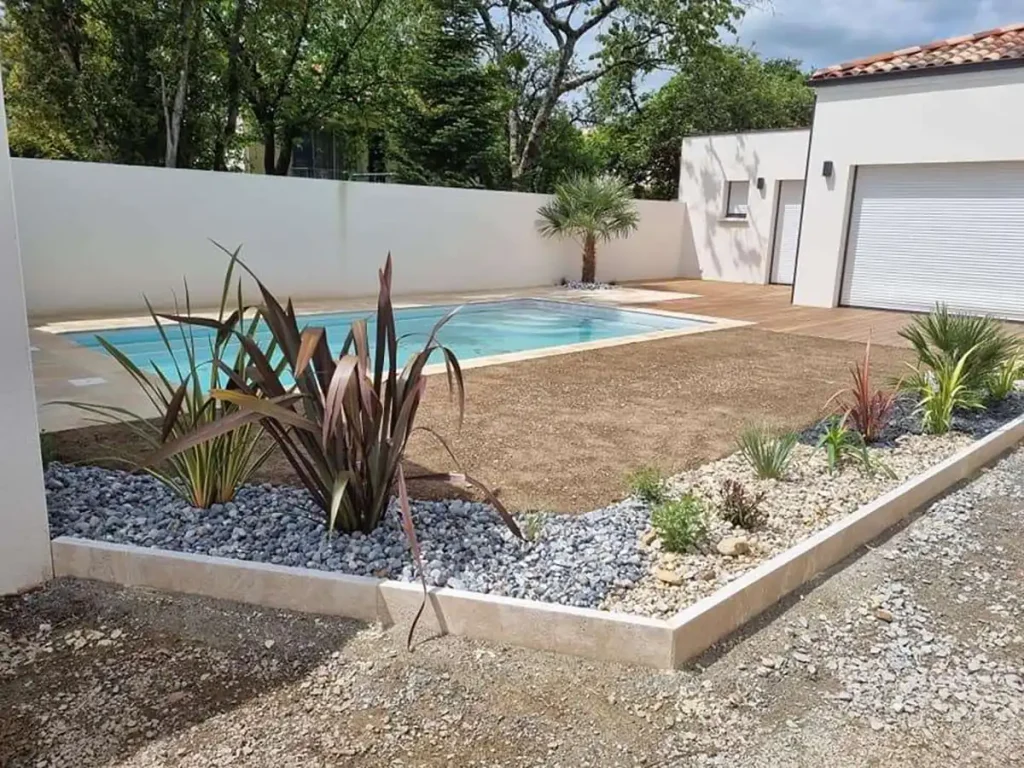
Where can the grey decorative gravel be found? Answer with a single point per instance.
(575, 560)
(904, 421)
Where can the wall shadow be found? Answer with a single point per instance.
(161, 664)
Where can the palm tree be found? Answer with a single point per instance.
(588, 209)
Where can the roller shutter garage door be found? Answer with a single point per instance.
(951, 233)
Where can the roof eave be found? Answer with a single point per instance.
(947, 69)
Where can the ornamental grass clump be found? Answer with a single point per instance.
(343, 421)
(846, 446)
(211, 471)
(1004, 381)
(766, 451)
(942, 390)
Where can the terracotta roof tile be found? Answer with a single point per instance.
(992, 45)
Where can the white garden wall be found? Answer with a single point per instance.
(24, 532)
(736, 250)
(95, 237)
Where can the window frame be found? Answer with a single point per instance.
(729, 214)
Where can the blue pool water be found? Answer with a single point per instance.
(476, 330)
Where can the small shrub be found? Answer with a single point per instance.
(647, 484)
(47, 448)
(846, 446)
(943, 390)
(1004, 381)
(680, 523)
(533, 526)
(840, 443)
(943, 338)
(767, 452)
(740, 507)
(867, 408)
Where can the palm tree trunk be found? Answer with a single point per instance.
(589, 259)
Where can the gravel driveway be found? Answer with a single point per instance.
(909, 655)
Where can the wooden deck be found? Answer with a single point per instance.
(769, 306)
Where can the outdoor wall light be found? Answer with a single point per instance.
(826, 169)
(760, 183)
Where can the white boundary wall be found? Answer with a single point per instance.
(95, 237)
(24, 531)
(735, 250)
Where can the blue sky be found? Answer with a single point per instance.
(824, 32)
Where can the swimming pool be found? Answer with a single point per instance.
(477, 330)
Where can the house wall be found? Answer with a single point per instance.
(736, 250)
(24, 533)
(96, 237)
(949, 118)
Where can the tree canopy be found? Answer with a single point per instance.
(500, 94)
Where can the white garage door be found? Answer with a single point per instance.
(951, 233)
(787, 231)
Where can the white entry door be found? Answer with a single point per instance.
(787, 231)
(950, 233)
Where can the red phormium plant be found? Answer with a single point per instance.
(866, 408)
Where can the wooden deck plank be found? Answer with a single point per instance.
(769, 306)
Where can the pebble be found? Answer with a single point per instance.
(579, 561)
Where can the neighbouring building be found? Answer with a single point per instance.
(914, 194)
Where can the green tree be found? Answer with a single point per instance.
(536, 43)
(298, 64)
(588, 209)
(117, 82)
(722, 90)
(444, 134)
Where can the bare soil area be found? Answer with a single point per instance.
(909, 655)
(560, 434)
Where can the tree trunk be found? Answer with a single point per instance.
(234, 90)
(589, 259)
(269, 149)
(174, 117)
(284, 155)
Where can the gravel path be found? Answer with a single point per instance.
(908, 656)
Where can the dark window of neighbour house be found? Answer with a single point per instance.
(737, 193)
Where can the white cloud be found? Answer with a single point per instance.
(824, 32)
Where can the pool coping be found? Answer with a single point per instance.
(590, 633)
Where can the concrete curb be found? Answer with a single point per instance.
(704, 623)
(583, 632)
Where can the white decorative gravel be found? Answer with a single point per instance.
(808, 499)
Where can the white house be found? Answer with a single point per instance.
(914, 168)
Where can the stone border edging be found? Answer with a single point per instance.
(586, 632)
(545, 626)
(701, 625)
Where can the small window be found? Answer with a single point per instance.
(736, 199)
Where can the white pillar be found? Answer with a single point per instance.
(24, 533)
